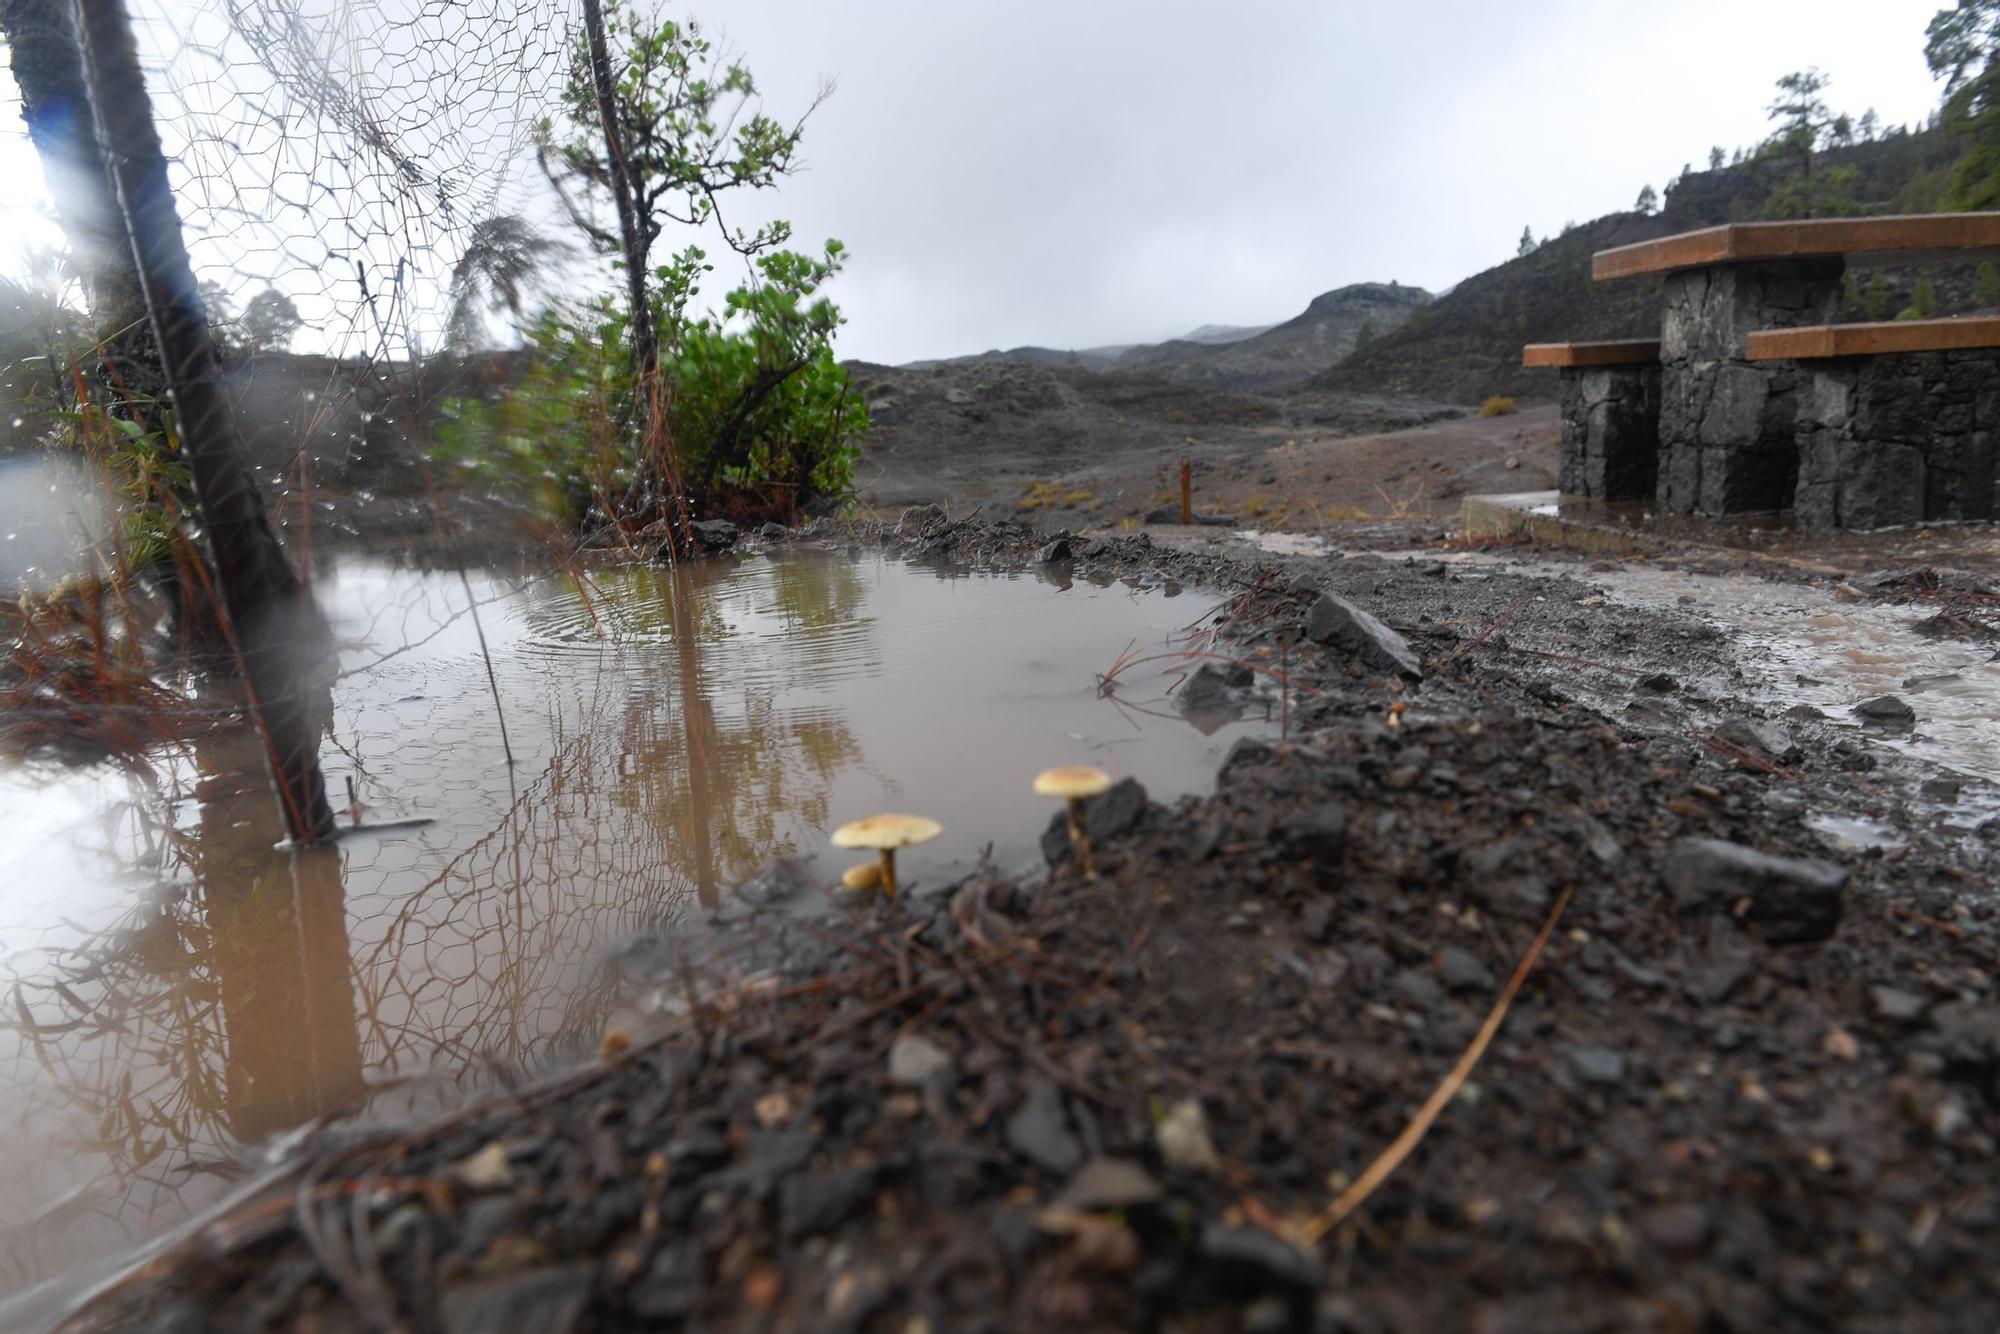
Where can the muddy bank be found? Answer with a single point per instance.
(1750, 1083)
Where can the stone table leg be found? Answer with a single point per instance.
(1610, 431)
(1727, 424)
(1903, 438)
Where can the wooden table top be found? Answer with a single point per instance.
(1867, 340)
(1907, 237)
(1626, 352)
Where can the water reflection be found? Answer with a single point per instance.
(182, 991)
(271, 928)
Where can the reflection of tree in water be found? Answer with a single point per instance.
(817, 595)
(221, 1010)
(254, 992)
(706, 751)
(721, 785)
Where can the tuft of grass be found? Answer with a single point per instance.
(1040, 495)
(1499, 405)
(74, 675)
(1078, 498)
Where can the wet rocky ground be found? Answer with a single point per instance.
(1069, 446)
(1749, 1079)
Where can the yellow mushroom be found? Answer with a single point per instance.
(1073, 783)
(884, 834)
(863, 878)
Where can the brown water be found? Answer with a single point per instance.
(183, 996)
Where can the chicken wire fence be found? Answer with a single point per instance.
(344, 152)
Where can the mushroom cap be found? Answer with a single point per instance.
(886, 831)
(1075, 780)
(866, 876)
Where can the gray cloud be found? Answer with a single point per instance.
(1101, 171)
(1098, 171)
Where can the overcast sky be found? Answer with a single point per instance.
(1076, 172)
(1080, 172)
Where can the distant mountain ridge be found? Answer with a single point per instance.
(1270, 356)
(1222, 333)
(1286, 354)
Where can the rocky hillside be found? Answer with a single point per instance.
(1285, 354)
(1223, 333)
(1466, 345)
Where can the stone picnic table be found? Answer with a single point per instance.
(1753, 400)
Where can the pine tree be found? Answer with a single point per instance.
(1715, 158)
(1648, 200)
(1923, 302)
(1875, 301)
(1963, 49)
(1527, 246)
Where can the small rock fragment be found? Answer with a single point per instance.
(1895, 1004)
(914, 1060)
(1338, 623)
(713, 534)
(822, 1201)
(550, 1298)
(1764, 741)
(1680, 1230)
(486, 1169)
(1109, 1183)
(1039, 1132)
(1216, 688)
(1462, 971)
(1316, 834)
(1259, 1255)
(1185, 1145)
(1105, 817)
(1788, 899)
(1603, 1066)
(1886, 711)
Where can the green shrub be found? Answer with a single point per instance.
(763, 420)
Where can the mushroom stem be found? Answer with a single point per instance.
(1080, 840)
(889, 872)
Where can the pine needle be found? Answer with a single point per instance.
(1392, 1157)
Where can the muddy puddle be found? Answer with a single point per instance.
(180, 999)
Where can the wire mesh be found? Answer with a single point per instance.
(343, 151)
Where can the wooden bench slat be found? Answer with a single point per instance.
(1627, 352)
(1943, 234)
(1868, 340)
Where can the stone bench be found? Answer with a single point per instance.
(1610, 404)
(1898, 423)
